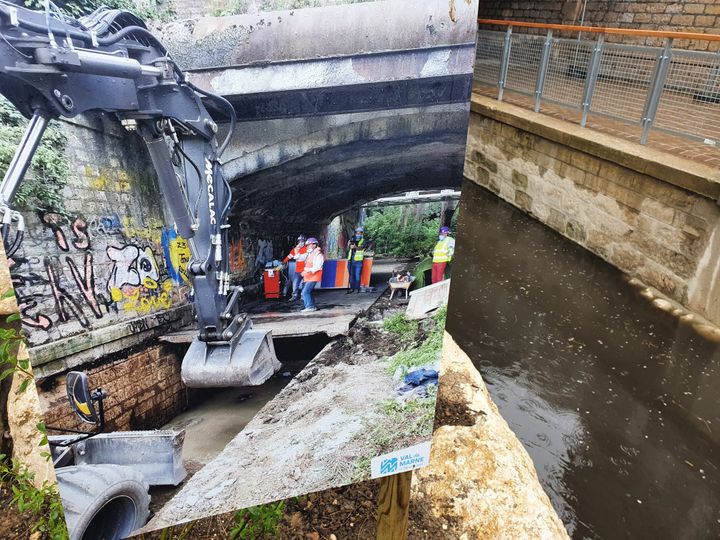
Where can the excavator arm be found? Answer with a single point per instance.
(54, 66)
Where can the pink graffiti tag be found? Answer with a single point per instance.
(86, 283)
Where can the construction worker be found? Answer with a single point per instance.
(356, 254)
(442, 254)
(296, 264)
(312, 273)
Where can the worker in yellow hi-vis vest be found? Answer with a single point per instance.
(442, 254)
(356, 254)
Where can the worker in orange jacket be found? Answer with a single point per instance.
(312, 273)
(296, 264)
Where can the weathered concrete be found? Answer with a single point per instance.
(428, 299)
(653, 215)
(101, 273)
(336, 311)
(270, 143)
(480, 481)
(311, 33)
(311, 436)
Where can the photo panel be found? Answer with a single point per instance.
(231, 254)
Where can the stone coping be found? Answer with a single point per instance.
(683, 173)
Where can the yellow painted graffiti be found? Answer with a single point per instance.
(135, 300)
(180, 256)
(149, 231)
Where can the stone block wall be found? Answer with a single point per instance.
(674, 15)
(144, 390)
(109, 255)
(666, 236)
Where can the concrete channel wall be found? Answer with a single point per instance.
(652, 215)
(100, 277)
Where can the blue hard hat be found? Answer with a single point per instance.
(312, 240)
(444, 230)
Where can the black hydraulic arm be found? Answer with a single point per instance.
(54, 66)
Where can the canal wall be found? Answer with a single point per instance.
(100, 268)
(652, 215)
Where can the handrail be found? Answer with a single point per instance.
(604, 30)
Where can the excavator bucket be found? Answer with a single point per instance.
(247, 360)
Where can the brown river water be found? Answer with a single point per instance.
(617, 403)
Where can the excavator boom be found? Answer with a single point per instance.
(54, 66)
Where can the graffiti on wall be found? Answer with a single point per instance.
(177, 255)
(236, 252)
(70, 273)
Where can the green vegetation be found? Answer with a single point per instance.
(50, 167)
(151, 10)
(398, 422)
(42, 503)
(425, 353)
(401, 424)
(403, 231)
(10, 339)
(252, 523)
(402, 327)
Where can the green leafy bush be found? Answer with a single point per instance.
(43, 503)
(49, 171)
(252, 523)
(402, 327)
(402, 231)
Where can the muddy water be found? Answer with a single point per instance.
(218, 414)
(618, 404)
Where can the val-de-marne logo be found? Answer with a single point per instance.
(388, 465)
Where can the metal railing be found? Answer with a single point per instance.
(656, 88)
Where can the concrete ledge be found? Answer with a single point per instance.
(697, 178)
(87, 347)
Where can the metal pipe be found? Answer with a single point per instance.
(542, 71)
(504, 62)
(656, 89)
(23, 156)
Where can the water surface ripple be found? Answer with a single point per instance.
(615, 401)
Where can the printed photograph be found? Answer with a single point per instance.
(230, 231)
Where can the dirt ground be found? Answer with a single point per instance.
(346, 513)
(15, 525)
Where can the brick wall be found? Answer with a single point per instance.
(144, 390)
(694, 16)
(650, 228)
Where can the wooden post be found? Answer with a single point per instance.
(394, 506)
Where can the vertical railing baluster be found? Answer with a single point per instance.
(591, 78)
(507, 43)
(656, 89)
(542, 70)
